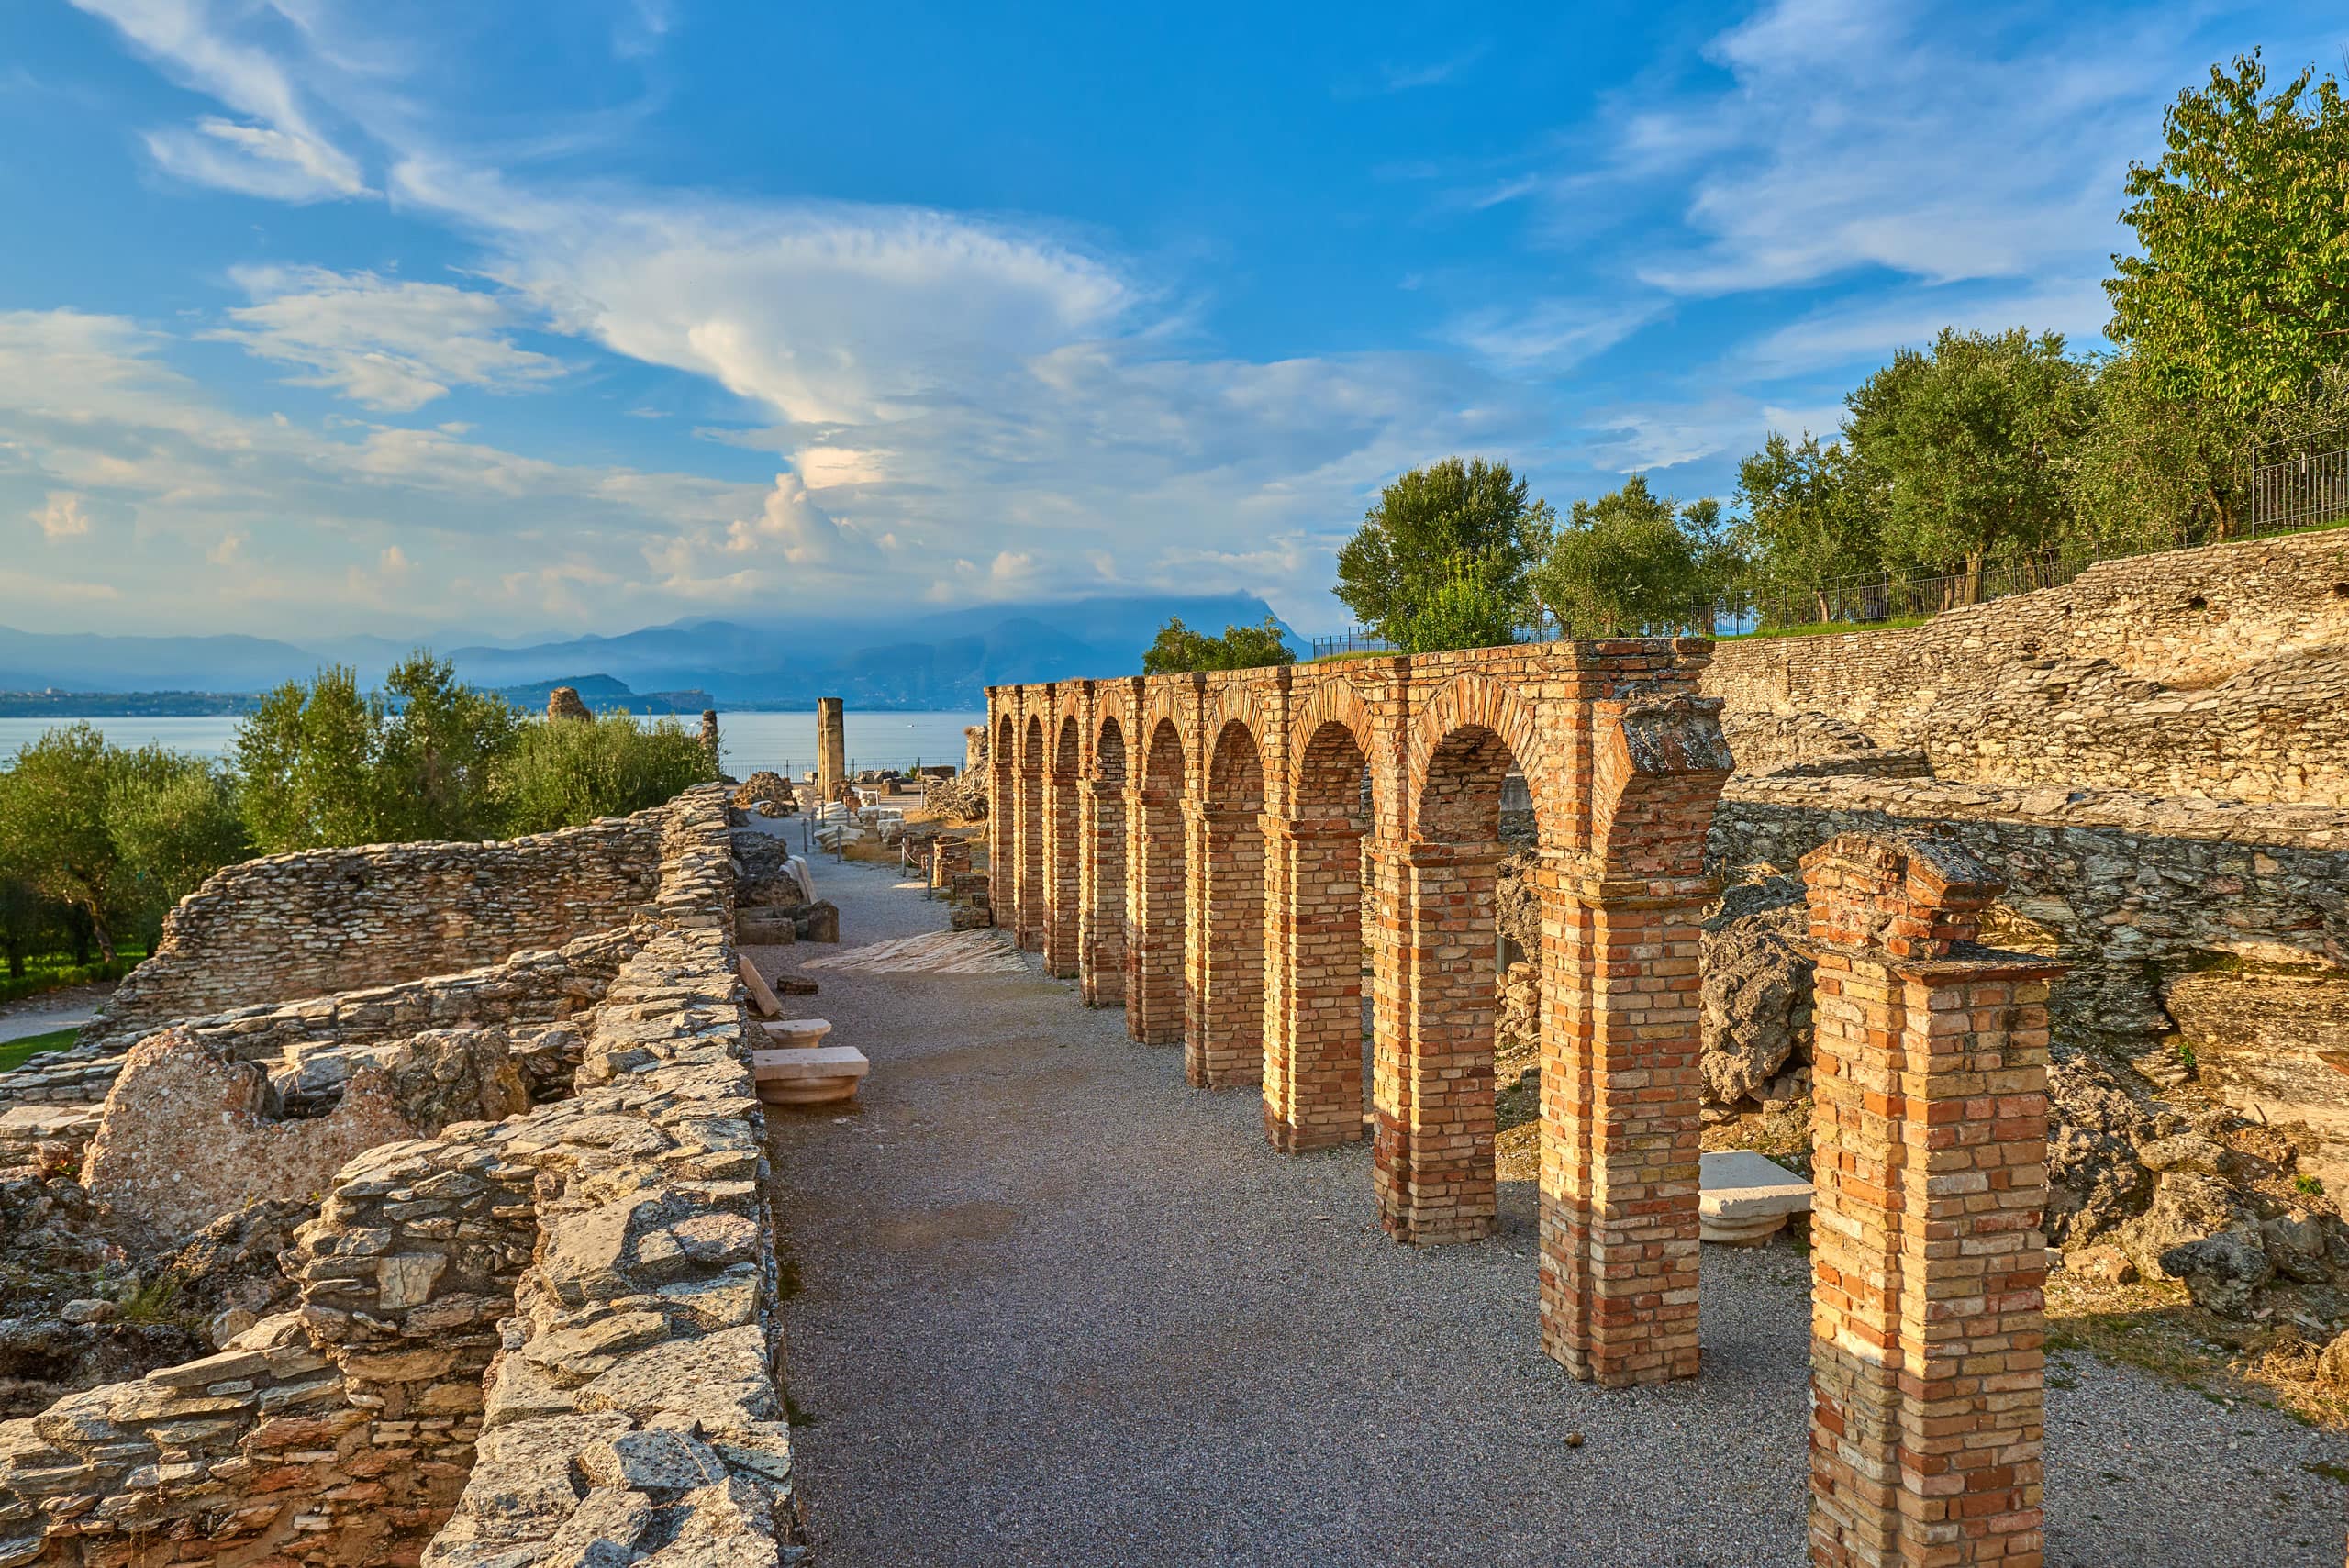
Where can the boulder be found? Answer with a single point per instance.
(2205, 1233)
(1756, 1001)
(2095, 1179)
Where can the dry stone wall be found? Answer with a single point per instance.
(288, 926)
(548, 1339)
(2221, 928)
(2215, 672)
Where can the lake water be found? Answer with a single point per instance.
(747, 741)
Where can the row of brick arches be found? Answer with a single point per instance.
(1196, 847)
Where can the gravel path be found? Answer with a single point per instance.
(18, 1026)
(1057, 1308)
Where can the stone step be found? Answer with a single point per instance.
(809, 1075)
(1744, 1197)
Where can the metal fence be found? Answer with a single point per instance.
(2301, 484)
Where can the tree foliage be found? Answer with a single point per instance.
(1473, 605)
(1455, 528)
(2241, 298)
(1179, 649)
(1973, 441)
(1630, 562)
(562, 772)
(327, 764)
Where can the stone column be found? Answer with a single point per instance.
(1063, 855)
(1620, 1087)
(1928, 1324)
(1434, 1002)
(709, 737)
(1101, 893)
(1154, 897)
(1313, 951)
(1223, 1036)
(832, 750)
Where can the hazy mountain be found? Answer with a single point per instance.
(942, 659)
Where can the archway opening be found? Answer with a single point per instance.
(1029, 834)
(1224, 1036)
(1318, 1024)
(1061, 857)
(1156, 889)
(1101, 917)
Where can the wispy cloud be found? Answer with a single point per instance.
(389, 344)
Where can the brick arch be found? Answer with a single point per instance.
(1112, 757)
(1652, 768)
(1236, 768)
(1451, 729)
(1068, 750)
(1239, 703)
(1162, 767)
(1031, 744)
(1007, 742)
(1332, 708)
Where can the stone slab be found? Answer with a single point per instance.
(1746, 1197)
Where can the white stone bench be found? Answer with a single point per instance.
(808, 1074)
(1745, 1199)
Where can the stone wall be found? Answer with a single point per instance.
(2216, 672)
(288, 926)
(549, 1337)
(2223, 928)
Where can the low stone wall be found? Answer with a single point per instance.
(553, 1336)
(2211, 672)
(288, 926)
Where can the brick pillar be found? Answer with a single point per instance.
(1031, 837)
(1223, 1034)
(1062, 859)
(1433, 995)
(1101, 893)
(1313, 950)
(1155, 899)
(1003, 848)
(1619, 1092)
(1928, 1371)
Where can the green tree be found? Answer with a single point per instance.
(438, 749)
(22, 916)
(2240, 301)
(54, 829)
(1630, 562)
(562, 772)
(173, 821)
(1973, 441)
(1472, 606)
(1178, 648)
(1810, 514)
(1414, 541)
(306, 762)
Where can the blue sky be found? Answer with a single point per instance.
(436, 319)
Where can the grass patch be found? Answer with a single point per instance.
(16, 1052)
(56, 970)
(2157, 1328)
(1824, 628)
(1357, 653)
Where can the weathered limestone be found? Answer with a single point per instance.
(1747, 1198)
(1225, 825)
(1928, 1371)
(564, 702)
(183, 1138)
(831, 750)
(283, 928)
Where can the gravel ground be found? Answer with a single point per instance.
(1059, 1308)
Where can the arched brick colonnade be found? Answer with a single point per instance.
(1194, 847)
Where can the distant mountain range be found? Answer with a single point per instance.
(942, 660)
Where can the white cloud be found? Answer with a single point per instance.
(61, 516)
(389, 344)
(277, 150)
(1551, 335)
(1856, 135)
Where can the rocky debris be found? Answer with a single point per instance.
(2333, 1365)
(963, 799)
(2095, 1180)
(1757, 1003)
(767, 793)
(437, 1077)
(188, 1136)
(564, 702)
(45, 1140)
(232, 1266)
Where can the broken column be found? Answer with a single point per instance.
(832, 750)
(709, 737)
(1928, 1371)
